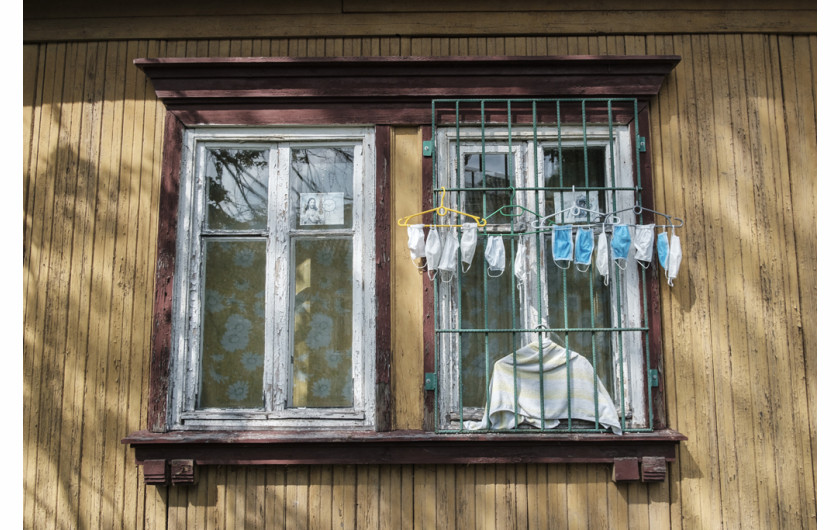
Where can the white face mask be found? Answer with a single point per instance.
(469, 235)
(602, 259)
(674, 259)
(449, 257)
(433, 251)
(416, 242)
(644, 244)
(520, 264)
(495, 256)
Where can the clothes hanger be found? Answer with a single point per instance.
(441, 211)
(637, 209)
(516, 210)
(574, 211)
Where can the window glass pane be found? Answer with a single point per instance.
(234, 325)
(496, 175)
(500, 314)
(322, 187)
(574, 174)
(323, 332)
(237, 189)
(581, 309)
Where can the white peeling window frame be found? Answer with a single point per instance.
(627, 312)
(184, 412)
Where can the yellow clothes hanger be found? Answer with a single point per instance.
(442, 210)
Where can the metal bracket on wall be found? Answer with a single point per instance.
(427, 148)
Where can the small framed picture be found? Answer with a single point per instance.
(321, 209)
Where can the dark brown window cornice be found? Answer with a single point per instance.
(393, 90)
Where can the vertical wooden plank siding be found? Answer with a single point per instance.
(733, 144)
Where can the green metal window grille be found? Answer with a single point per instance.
(513, 162)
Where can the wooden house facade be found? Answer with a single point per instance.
(731, 149)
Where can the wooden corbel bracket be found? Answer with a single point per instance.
(168, 472)
(653, 469)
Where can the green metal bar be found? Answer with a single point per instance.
(644, 275)
(512, 171)
(537, 178)
(617, 285)
(434, 287)
(529, 100)
(461, 177)
(549, 188)
(484, 269)
(536, 330)
(591, 287)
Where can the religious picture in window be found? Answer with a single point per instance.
(321, 209)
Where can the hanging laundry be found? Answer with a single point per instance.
(520, 264)
(495, 256)
(416, 243)
(522, 381)
(449, 256)
(561, 246)
(583, 249)
(674, 258)
(433, 251)
(620, 245)
(469, 236)
(662, 250)
(644, 245)
(602, 259)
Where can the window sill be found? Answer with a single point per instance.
(172, 457)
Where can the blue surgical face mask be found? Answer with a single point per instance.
(584, 243)
(620, 245)
(562, 248)
(662, 249)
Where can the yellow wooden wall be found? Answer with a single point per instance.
(734, 150)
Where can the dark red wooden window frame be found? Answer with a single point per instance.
(383, 92)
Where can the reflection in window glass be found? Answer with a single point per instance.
(234, 325)
(323, 328)
(322, 187)
(237, 189)
(496, 313)
(587, 303)
(574, 166)
(488, 171)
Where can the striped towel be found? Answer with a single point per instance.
(500, 414)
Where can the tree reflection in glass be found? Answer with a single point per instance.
(323, 176)
(237, 189)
